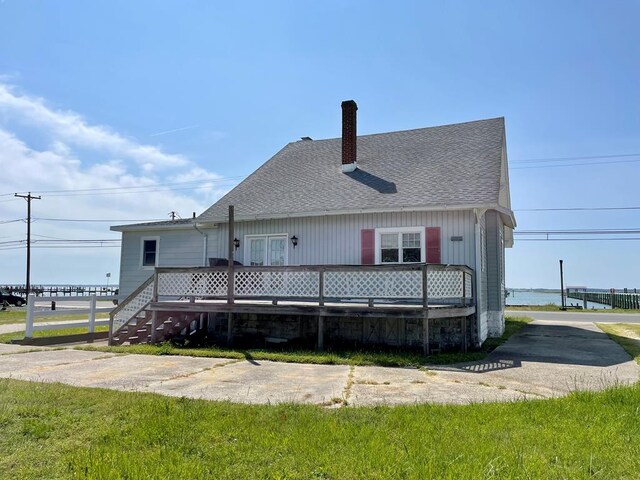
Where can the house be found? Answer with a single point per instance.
(435, 196)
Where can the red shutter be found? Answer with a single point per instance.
(367, 246)
(433, 245)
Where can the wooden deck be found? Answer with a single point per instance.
(419, 291)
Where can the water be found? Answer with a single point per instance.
(528, 297)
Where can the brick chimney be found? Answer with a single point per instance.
(349, 109)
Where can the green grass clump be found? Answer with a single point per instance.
(626, 334)
(58, 432)
(341, 357)
(9, 337)
(20, 316)
(549, 307)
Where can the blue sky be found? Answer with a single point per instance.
(120, 94)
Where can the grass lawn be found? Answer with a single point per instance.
(626, 334)
(361, 357)
(555, 308)
(58, 432)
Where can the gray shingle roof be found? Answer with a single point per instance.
(429, 167)
(182, 222)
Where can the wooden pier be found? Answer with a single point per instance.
(64, 290)
(625, 300)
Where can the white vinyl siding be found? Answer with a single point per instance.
(336, 239)
(176, 248)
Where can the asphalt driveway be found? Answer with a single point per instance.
(545, 359)
(578, 316)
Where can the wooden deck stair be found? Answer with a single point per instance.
(170, 325)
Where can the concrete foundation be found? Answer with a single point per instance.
(260, 329)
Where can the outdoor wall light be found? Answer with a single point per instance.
(294, 241)
(236, 243)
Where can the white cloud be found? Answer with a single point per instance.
(71, 128)
(49, 160)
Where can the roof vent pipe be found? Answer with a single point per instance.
(349, 133)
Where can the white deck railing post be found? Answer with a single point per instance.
(92, 314)
(31, 306)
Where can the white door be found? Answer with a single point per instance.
(276, 255)
(257, 251)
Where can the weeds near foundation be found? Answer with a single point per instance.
(397, 358)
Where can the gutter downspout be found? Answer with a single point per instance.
(205, 239)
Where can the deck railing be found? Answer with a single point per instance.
(420, 283)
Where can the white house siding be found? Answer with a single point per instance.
(481, 277)
(495, 274)
(335, 239)
(177, 248)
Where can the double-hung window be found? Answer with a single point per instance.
(149, 254)
(400, 246)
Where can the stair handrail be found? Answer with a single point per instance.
(122, 305)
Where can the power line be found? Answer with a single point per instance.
(573, 209)
(135, 187)
(576, 239)
(576, 164)
(589, 157)
(593, 231)
(92, 220)
(59, 246)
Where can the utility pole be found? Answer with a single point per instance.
(564, 307)
(28, 198)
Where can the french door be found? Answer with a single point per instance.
(266, 250)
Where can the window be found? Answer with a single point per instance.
(265, 250)
(149, 255)
(256, 252)
(400, 246)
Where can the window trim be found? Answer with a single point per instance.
(247, 252)
(399, 231)
(142, 240)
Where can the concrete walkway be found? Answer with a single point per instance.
(546, 359)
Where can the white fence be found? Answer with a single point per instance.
(91, 311)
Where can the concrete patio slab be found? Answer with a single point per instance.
(130, 372)
(40, 365)
(545, 359)
(262, 382)
(6, 348)
(379, 385)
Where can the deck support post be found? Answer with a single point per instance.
(154, 327)
(425, 315)
(464, 334)
(321, 332)
(230, 274)
(229, 329)
(425, 333)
